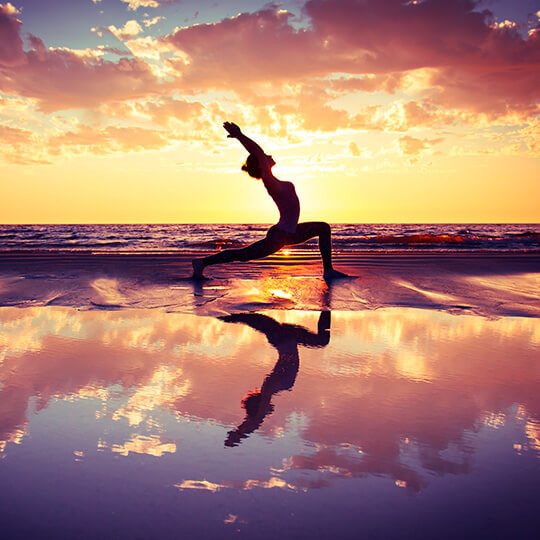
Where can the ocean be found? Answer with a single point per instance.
(380, 237)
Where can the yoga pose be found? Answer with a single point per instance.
(287, 231)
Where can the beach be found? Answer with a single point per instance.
(269, 270)
(488, 283)
(399, 399)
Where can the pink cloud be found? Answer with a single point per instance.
(248, 48)
(11, 45)
(62, 79)
(474, 65)
(370, 37)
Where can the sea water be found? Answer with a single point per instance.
(362, 237)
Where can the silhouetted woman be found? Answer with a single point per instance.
(287, 230)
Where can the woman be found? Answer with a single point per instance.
(287, 230)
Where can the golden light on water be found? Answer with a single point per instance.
(279, 293)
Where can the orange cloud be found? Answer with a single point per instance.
(10, 135)
(411, 146)
(106, 140)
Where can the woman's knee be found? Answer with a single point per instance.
(324, 228)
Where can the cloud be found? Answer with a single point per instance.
(62, 79)
(10, 135)
(246, 49)
(446, 61)
(168, 109)
(136, 4)
(11, 45)
(411, 146)
(479, 66)
(147, 47)
(129, 30)
(107, 140)
(353, 149)
(370, 82)
(23, 147)
(9, 8)
(475, 65)
(152, 21)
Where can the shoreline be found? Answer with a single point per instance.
(163, 266)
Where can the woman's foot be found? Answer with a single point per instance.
(198, 268)
(334, 274)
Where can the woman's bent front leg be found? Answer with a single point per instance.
(311, 229)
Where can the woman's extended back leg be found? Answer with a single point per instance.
(257, 250)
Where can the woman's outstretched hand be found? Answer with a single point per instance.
(232, 129)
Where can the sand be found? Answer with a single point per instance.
(489, 284)
(404, 399)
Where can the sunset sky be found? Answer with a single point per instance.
(378, 110)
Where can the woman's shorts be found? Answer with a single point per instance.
(278, 236)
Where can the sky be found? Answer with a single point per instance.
(111, 111)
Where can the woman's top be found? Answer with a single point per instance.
(289, 206)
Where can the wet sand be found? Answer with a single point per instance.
(491, 284)
(267, 403)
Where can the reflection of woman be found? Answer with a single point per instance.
(285, 338)
(287, 231)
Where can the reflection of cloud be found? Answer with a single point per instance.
(15, 437)
(141, 444)
(407, 387)
(165, 386)
(198, 484)
(246, 485)
(532, 430)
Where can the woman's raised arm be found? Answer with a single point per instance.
(251, 146)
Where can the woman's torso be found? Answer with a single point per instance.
(288, 206)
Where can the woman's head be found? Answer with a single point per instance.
(253, 167)
(251, 402)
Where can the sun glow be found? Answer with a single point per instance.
(399, 145)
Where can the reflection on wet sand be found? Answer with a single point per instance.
(285, 338)
(399, 393)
